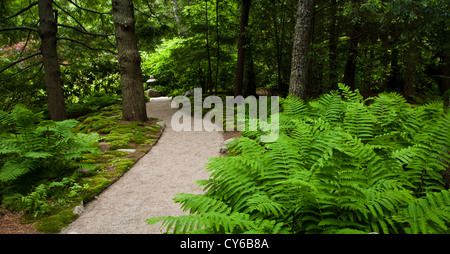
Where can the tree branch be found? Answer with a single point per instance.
(20, 60)
(19, 28)
(85, 45)
(21, 11)
(68, 14)
(85, 32)
(88, 10)
(23, 70)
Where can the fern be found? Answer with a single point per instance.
(338, 166)
(430, 214)
(29, 144)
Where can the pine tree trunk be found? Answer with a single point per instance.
(333, 46)
(208, 53)
(301, 48)
(129, 62)
(47, 32)
(249, 75)
(241, 47)
(350, 65)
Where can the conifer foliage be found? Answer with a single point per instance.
(341, 164)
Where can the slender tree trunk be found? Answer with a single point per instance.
(175, 14)
(218, 47)
(249, 74)
(301, 48)
(129, 62)
(410, 72)
(393, 80)
(333, 46)
(208, 53)
(47, 31)
(241, 47)
(350, 65)
(445, 75)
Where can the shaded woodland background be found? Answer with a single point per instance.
(373, 46)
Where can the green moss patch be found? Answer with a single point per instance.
(107, 166)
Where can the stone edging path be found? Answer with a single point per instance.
(147, 190)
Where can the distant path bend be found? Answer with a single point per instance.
(147, 190)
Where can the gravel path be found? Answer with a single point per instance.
(147, 190)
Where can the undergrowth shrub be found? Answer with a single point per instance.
(33, 150)
(341, 164)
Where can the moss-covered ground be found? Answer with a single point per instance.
(108, 165)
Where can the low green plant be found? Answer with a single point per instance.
(32, 150)
(341, 164)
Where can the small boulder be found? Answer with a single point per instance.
(224, 148)
(153, 93)
(78, 209)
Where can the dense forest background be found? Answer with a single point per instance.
(373, 46)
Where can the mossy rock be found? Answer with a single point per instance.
(53, 224)
(116, 153)
(117, 144)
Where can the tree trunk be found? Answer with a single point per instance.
(333, 46)
(176, 16)
(350, 65)
(241, 47)
(208, 53)
(129, 62)
(249, 76)
(301, 48)
(218, 47)
(445, 75)
(47, 32)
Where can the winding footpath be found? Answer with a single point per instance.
(147, 190)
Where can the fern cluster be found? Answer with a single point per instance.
(341, 164)
(33, 149)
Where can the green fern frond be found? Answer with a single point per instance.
(429, 215)
(201, 204)
(264, 204)
(12, 170)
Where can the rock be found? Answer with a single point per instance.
(78, 209)
(224, 148)
(161, 124)
(153, 93)
(127, 150)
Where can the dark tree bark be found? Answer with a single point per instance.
(134, 108)
(301, 48)
(350, 65)
(241, 47)
(333, 46)
(249, 74)
(47, 31)
(444, 85)
(208, 53)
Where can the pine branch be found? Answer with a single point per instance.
(21, 11)
(68, 14)
(85, 45)
(21, 71)
(85, 32)
(20, 60)
(88, 10)
(19, 28)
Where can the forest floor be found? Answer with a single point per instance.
(147, 190)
